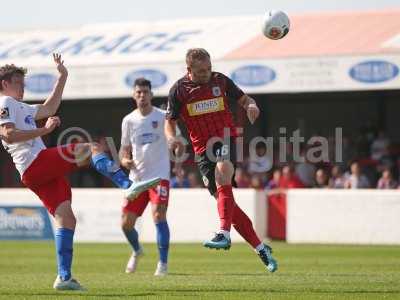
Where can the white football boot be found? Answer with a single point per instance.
(67, 285)
(133, 260)
(136, 188)
(162, 269)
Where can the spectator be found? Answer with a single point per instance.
(380, 146)
(259, 162)
(274, 182)
(257, 182)
(386, 181)
(337, 179)
(242, 178)
(321, 179)
(356, 180)
(179, 180)
(194, 181)
(306, 171)
(288, 179)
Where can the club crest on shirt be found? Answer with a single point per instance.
(216, 91)
(4, 113)
(29, 120)
(154, 124)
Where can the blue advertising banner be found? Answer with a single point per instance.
(374, 71)
(25, 223)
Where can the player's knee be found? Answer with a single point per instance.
(66, 221)
(224, 172)
(96, 148)
(82, 154)
(127, 222)
(126, 226)
(159, 217)
(160, 214)
(72, 220)
(64, 216)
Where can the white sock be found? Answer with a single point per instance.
(260, 247)
(225, 233)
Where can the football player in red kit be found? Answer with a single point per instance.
(200, 100)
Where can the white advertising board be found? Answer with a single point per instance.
(343, 216)
(292, 75)
(192, 214)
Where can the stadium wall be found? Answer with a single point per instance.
(192, 214)
(343, 216)
(312, 216)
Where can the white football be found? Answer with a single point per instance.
(276, 24)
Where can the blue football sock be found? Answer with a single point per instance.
(133, 238)
(104, 165)
(163, 240)
(64, 238)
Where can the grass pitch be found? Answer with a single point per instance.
(27, 271)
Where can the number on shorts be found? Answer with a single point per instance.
(224, 150)
(163, 191)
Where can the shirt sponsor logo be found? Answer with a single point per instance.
(40, 83)
(374, 71)
(253, 75)
(156, 77)
(206, 106)
(4, 113)
(148, 138)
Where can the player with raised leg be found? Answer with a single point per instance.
(43, 170)
(144, 152)
(200, 101)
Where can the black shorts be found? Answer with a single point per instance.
(207, 163)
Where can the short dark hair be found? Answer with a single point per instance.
(8, 71)
(141, 81)
(196, 54)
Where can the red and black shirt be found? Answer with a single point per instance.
(204, 107)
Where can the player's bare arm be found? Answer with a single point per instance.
(250, 106)
(12, 135)
(125, 157)
(50, 106)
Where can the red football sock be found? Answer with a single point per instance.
(244, 227)
(225, 203)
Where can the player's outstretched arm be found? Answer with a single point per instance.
(12, 135)
(250, 106)
(50, 106)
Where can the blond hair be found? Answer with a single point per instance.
(196, 54)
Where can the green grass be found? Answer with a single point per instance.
(27, 271)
